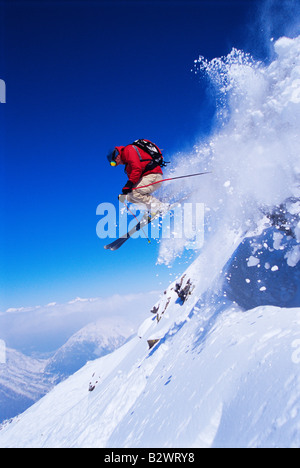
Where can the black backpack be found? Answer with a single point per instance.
(153, 150)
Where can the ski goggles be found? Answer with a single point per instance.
(112, 156)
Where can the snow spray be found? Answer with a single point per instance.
(254, 148)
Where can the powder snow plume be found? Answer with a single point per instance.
(253, 152)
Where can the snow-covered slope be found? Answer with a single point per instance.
(218, 376)
(224, 364)
(214, 379)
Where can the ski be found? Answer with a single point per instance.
(121, 240)
(115, 245)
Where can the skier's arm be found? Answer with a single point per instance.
(134, 168)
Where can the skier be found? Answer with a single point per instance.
(143, 165)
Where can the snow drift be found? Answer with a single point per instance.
(224, 366)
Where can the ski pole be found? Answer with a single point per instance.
(172, 178)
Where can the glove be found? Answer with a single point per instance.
(121, 198)
(128, 188)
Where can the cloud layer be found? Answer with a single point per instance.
(43, 329)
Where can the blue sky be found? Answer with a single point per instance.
(82, 77)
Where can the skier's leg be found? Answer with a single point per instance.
(143, 196)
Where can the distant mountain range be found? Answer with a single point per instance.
(24, 380)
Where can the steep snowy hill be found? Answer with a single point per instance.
(223, 368)
(217, 377)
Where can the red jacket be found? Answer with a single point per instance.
(134, 166)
